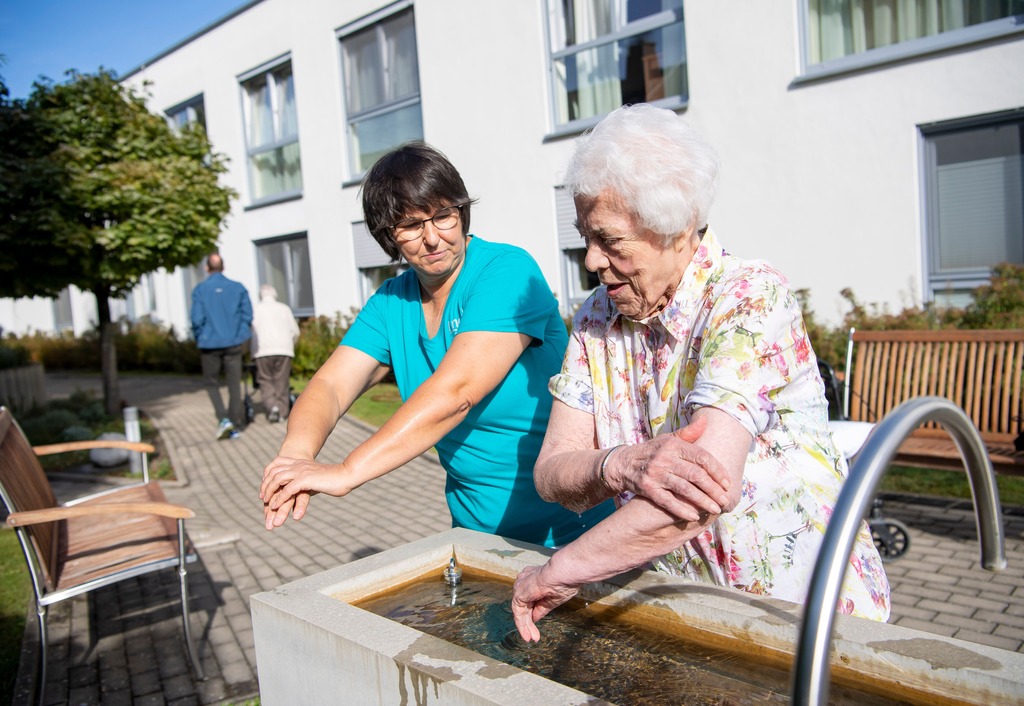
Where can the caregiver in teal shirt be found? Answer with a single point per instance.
(472, 334)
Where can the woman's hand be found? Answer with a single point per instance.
(674, 473)
(288, 484)
(533, 598)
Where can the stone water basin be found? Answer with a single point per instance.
(314, 645)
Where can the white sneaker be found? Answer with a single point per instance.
(224, 429)
(274, 416)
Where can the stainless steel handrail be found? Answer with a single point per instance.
(810, 683)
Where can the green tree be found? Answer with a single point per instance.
(96, 191)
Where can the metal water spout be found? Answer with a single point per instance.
(811, 668)
(453, 580)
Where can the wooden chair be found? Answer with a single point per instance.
(92, 541)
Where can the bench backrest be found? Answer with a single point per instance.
(979, 370)
(24, 486)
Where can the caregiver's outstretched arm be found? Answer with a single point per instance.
(474, 365)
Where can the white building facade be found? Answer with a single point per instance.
(869, 144)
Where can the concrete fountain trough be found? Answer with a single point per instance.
(314, 647)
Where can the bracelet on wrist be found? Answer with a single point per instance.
(604, 465)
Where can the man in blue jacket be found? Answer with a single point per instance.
(221, 320)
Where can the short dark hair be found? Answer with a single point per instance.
(412, 177)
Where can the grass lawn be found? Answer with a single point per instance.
(15, 594)
(374, 407)
(947, 484)
(377, 404)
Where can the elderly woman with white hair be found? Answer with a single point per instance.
(686, 363)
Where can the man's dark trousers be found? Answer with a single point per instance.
(230, 361)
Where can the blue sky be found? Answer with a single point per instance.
(49, 37)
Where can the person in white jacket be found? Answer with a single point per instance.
(274, 333)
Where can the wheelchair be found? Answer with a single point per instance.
(891, 537)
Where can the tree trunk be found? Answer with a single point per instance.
(108, 354)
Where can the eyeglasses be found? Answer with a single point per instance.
(411, 229)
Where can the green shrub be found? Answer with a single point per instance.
(13, 354)
(318, 337)
(146, 345)
(998, 305)
(49, 427)
(141, 346)
(84, 406)
(64, 351)
(77, 418)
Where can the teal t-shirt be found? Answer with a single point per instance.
(489, 457)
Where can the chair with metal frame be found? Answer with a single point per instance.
(93, 541)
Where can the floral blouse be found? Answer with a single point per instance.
(732, 338)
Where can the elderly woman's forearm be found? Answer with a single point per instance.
(572, 479)
(633, 536)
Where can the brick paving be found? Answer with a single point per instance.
(123, 645)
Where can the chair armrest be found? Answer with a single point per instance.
(52, 514)
(98, 444)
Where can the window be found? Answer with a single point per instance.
(974, 201)
(141, 301)
(63, 319)
(382, 84)
(607, 53)
(372, 263)
(272, 133)
(893, 29)
(578, 281)
(190, 112)
(191, 276)
(284, 263)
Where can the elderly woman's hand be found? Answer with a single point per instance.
(672, 472)
(288, 483)
(533, 598)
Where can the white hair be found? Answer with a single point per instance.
(268, 291)
(664, 172)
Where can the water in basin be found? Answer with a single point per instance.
(603, 657)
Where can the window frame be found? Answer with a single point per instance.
(367, 256)
(658, 20)
(191, 277)
(267, 70)
(186, 106)
(569, 243)
(934, 280)
(375, 20)
(289, 296)
(900, 51)
(63, 311)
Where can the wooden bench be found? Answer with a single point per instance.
(979, 370)
(92, 541)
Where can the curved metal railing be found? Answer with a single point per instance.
(811, 669)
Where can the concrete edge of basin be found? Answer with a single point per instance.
(942, 667)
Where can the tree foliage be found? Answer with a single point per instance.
(96, 191)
